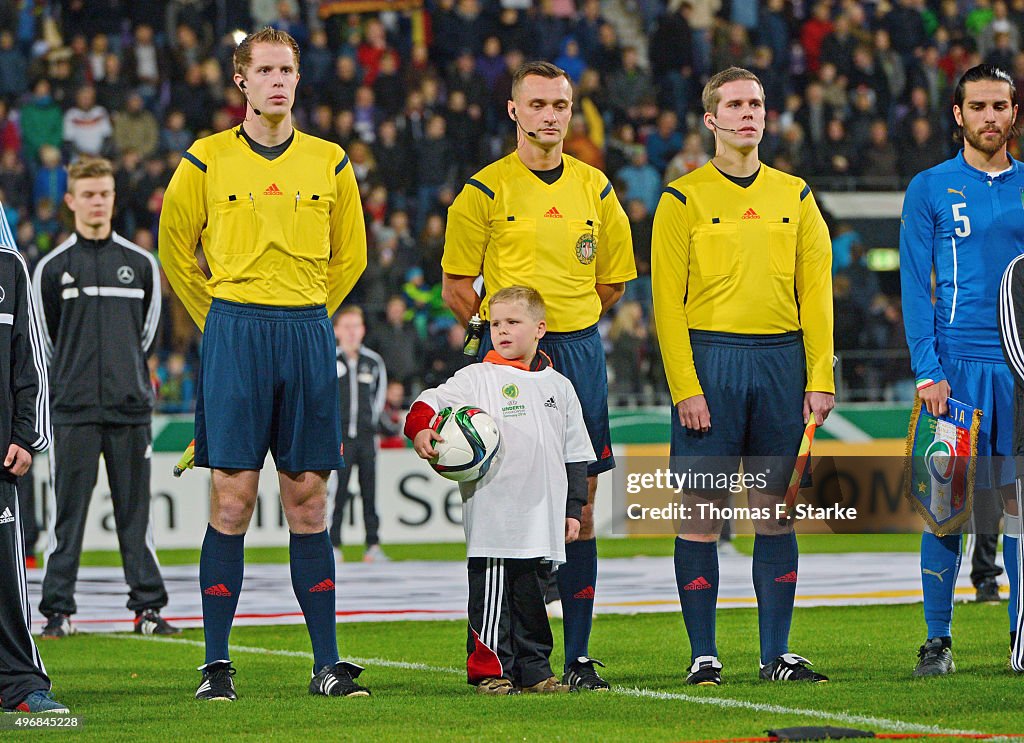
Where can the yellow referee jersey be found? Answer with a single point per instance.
(753, 260)
(561, 239)
(286, 232)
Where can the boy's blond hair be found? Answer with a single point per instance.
(527, 295)
(88, 167)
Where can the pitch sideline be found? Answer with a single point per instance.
(726, 703)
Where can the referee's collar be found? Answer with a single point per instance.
(540, 361)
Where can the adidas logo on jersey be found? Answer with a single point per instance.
(218, 590)
(66, 279)
(273, 190)
(697, 584)
(325, 585)
(789, 577)
(6, 517)
(553, 213)
(550, 403)
(751, 214)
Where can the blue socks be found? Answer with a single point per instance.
(774, 571)
(221, 566)
(940, 564)
(697, 581)
(312, 566)
(576, 581)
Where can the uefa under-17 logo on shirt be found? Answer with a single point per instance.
(513, 408)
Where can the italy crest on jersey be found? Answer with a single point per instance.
(586, 249)
(942, 455)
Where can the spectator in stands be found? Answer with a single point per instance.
(641, 179)
(397, 342)
(837, 155)
(10, 132)
(467, 121)
(340, 92)
(434, 167)
(581, 145)
(570, 60)
(890, 64)
(664, 142)
(14, 181)
(13, 68)
(609, 52)
(431, 248)
(671, 54)
(136, 128)
(774, 80)
(628, 336)
(905, 24)
(388, 89)
(587, 30)
(813, 34)
(878, 160)
(773, 32)
(641, 225)
(839, 45)
(731, 46)
(192, 97)
(175, 136)
(921, 152)
(628, 87)
(51, 180)
(42, 122)
(692, 156)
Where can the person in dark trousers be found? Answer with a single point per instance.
(24, 431)
(99, 295)
(29, 525)
(362, 390)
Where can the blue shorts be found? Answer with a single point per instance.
(987, 385)
(579, 356)
(268, 381)
(754, 386)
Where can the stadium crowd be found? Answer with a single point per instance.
(858, 97)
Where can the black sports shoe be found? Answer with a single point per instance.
(217, 685)
(337, 681)
(791, 667)
(57, 626)
(987, 592)
(149, 622)
(581, 675)
(705, 671)
(935, 658)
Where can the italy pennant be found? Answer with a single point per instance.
(942, 455)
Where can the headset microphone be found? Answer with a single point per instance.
(241, 86)
(516, 119)
(722, 128)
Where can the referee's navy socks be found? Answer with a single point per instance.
(940, 563)
(312, 567)
(697, 580)
(576, 581)
(775, 570)
(221, 566)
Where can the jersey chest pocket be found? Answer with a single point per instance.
(312, 229)
(515, 243)
(234, 226)
(781, 248)
(716, 249)
(584, 243)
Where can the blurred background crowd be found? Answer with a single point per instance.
(858, 98)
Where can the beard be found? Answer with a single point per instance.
(989, 146)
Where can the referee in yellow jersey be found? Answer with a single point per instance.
(281, 225)
(542, 219)
(741, 271)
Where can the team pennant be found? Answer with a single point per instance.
(942, 455)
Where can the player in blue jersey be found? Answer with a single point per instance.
(964, 219)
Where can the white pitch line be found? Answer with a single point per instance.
(881, 722)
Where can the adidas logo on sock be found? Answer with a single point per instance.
(697, 584)
(325, 585)
(218, 590)
(789, 577)
(586, 593)
(6, 517)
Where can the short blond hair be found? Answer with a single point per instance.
(242, 57)
(529, 296)
(538, 68)
(710, 97)
(88, 167)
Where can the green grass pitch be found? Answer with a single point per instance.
(138, 689)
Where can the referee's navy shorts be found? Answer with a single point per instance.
(267, 381)
(754, 386)
(579, 356)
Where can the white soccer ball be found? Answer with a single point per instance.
(471, 439)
